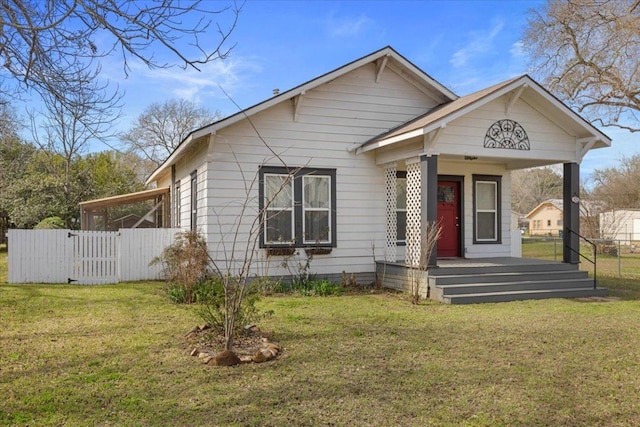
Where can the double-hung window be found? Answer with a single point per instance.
(194, 200)
(486, 207)
(298, 207)
(401, 207)
(178, 204)
(278, 210)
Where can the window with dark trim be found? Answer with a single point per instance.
(178, 204)
(298, 207)
(194, 200)
(401, 208)
(486, 209)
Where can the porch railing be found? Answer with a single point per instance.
(593, 261)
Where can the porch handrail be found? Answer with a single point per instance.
(593, 261)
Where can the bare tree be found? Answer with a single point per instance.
(428, 242)
(44, 42)
(530, 187)
(617, 187)
(161, 127)
(66, 127)
(586, 52)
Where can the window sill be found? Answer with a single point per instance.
(318, 251)
(291, 250)
(288, 251)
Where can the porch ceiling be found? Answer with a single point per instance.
(414, 147)
(123, 199)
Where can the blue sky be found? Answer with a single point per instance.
(465, 45)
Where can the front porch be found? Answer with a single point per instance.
(467, 281)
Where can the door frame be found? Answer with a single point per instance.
(460, 180)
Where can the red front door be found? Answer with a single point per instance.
(449, 219)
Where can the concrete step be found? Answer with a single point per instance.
(458, 279)
(494, 269)
(487, 297)
(526, 285)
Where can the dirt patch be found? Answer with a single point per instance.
(253, 345)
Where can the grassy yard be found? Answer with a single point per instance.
(3, 264)
(115, 355)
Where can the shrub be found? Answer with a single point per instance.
(185, 264)
(50, 223)
(325, 288)
(212, 308)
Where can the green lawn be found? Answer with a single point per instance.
(3, 264)
(115, 355)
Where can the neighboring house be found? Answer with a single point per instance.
(621, 224)
(352, 165)
(546, 219)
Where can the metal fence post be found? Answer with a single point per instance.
(619, 262)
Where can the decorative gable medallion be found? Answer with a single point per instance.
(506, 134)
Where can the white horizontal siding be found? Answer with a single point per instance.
(465, 136)
(332, 118)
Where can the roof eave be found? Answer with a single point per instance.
(296, 91)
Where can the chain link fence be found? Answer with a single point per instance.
(615, 258)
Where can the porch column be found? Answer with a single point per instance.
(571, 213)
(429, 199)
(414, 212)
(391, 242)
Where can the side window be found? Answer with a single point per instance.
(401, 207)
(178, 204)
(194, 200)
(486, 209)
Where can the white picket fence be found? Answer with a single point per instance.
(86, 257)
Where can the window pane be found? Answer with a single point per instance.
(316, 226)
(485, 196)
(486, 226)
(278, 226)
(401, 193)
(401, 221)
(316, 192)
(278, 191)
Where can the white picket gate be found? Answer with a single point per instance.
(86, 257)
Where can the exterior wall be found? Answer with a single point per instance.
(465, 136)
(331, 119)
(195, 160)
(546, 221)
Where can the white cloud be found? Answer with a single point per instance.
(348, 27)
(517, 49)
(481, 42)
(192, 84)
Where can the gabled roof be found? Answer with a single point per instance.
(587, 208)
(556, 203)
(441, 116)
(386, 52)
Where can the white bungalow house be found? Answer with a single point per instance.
(621, 224)
(352, 165)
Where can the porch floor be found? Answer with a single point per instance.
(460, 281)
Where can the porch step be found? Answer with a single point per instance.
(524, 276)
(523, 285)
(487, 297)
(496, 282)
